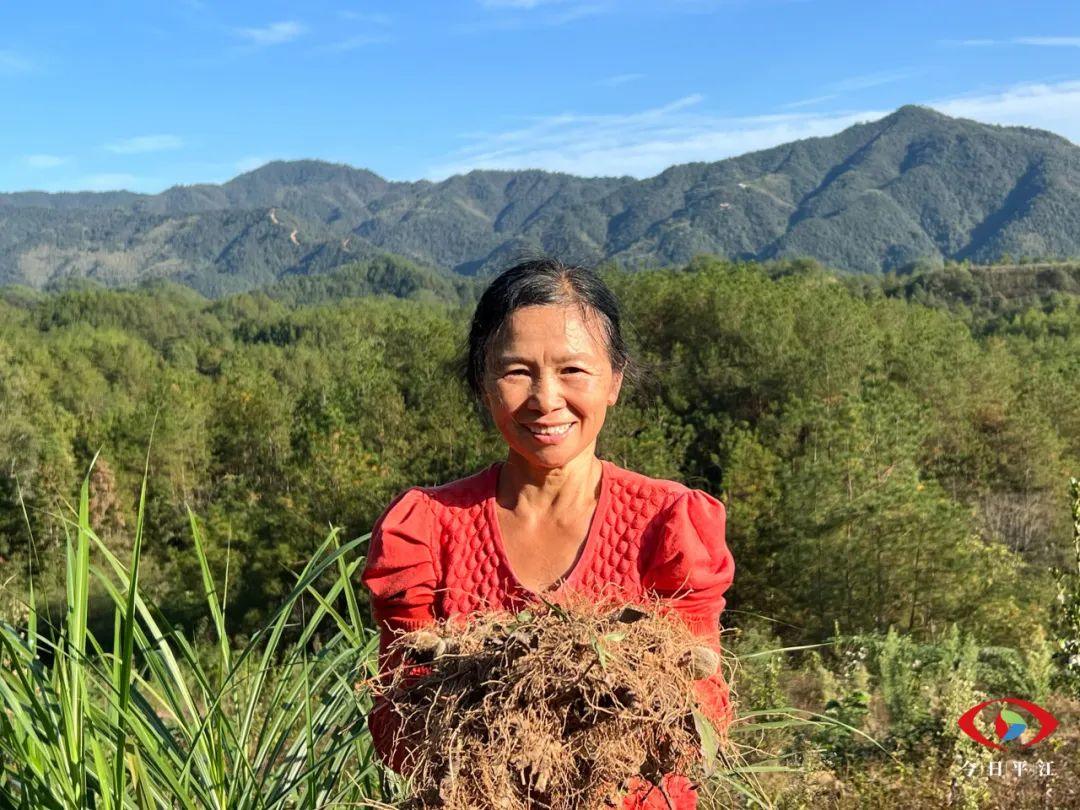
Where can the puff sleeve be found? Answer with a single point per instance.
(400, 574)
(690, 569)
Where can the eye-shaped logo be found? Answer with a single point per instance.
(1009, 724)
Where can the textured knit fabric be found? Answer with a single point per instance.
(437, 553)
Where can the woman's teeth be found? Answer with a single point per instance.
(552, 431)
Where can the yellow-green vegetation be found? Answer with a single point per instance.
(140, 717)
(894, 454)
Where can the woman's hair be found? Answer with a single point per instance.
(536, 282)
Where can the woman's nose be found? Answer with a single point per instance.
(546, 393)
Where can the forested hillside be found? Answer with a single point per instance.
(882, 463)
(879, 196)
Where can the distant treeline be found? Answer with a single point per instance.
(892, 450)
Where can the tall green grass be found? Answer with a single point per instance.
(147, 720)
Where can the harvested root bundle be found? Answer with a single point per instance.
(558, 706)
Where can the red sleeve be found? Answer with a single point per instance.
(400, 575)
(690, 569)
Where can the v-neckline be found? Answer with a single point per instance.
(587, 547)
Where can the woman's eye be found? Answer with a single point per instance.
(571, 370)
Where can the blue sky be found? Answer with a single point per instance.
(151, 94)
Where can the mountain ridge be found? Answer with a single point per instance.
(913, 185)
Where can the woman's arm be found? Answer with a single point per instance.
(400, 574)
(690, 568)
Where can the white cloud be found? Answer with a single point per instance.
(273, 34)
(361, 38)
(640, 144)
(145, 143)
(970, 43)
(12, 62)
(523, 4)
(1055, 107)
(1051, 42)
(578, 12)
(851, 84)
(868, 80)
(620, 79)
(375, 18)
(358, 41)
(549, 13)
(1043, 42)
(808, 102)
(643, 143)
(42, 161)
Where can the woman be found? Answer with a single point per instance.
(546, 358)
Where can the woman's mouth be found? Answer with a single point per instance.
(550, 434)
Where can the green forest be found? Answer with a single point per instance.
(894, 452)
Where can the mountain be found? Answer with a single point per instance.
(875, 197)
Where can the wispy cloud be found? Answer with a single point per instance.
(12, 63)
(274, 33)
(648, 141)
(969, 43)
(808, 102)
(145, 143)
(867, 80)
(1041, 42)
(712, 6)
(371, 30)
(358, 41)
(43, 161)
(516, 14)
(640, 144)
(579, 12)
(1050, 42)
(523, 4)
(1055, 107)
(374, 18)
(852, 84)
(620, 79)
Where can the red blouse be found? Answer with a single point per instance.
(437, 552)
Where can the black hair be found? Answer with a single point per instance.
(540, 281)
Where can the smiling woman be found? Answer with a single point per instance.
(546, 359)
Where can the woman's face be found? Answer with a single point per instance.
(550, 369)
